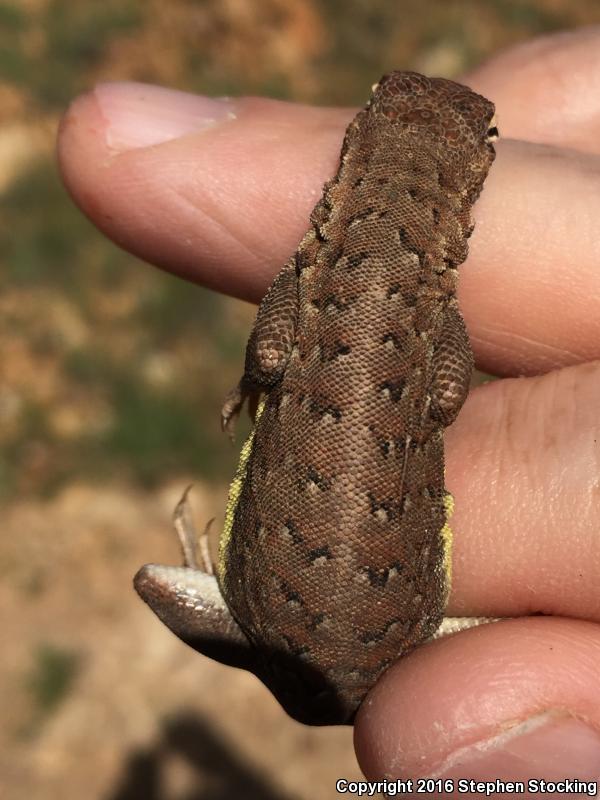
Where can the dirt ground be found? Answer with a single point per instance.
(140, 715)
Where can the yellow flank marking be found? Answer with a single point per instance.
(446, 534)
(235, 490)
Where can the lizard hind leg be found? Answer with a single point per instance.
(188, 599)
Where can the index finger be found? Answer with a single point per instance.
(220, 192)
(546, 89)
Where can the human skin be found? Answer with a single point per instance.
(220, 192)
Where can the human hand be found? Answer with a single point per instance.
(226, 204)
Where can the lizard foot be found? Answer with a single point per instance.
(194, 548)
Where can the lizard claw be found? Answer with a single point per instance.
(194, 548)
(231, 410)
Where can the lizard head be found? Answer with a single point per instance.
(457, 121)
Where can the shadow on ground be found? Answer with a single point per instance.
(205, 762)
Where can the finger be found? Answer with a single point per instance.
(530, 290)
(511, 700)
(523, 464)
(217, 191)
(546, 89)
(227, 204)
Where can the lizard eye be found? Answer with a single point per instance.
(492, 132)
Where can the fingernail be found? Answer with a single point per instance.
(141, 115)
(549, 746)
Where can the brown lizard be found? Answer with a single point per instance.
(335, 557)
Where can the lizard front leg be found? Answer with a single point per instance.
(269, 346)
(452, 367)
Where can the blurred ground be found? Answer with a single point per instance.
(111, 379)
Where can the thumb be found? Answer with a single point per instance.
(188, 182)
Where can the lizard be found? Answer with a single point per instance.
(335, 557)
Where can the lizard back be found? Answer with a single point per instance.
(336, 559)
